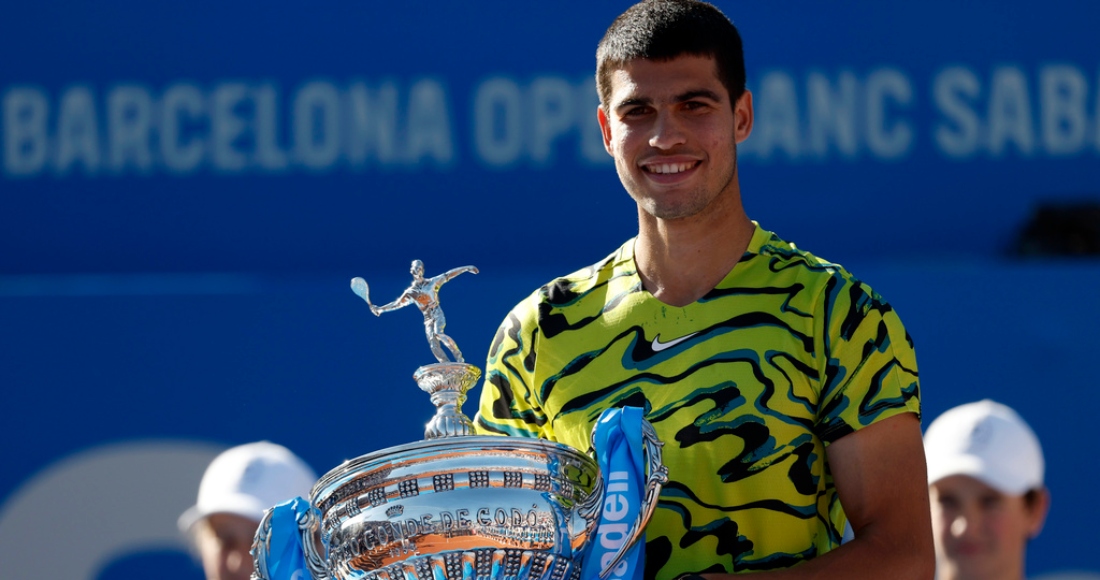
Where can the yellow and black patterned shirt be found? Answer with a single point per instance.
(746, 387)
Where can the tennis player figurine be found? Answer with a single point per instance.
(424, 292)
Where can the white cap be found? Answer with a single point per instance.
(988, 441)
(246, 480)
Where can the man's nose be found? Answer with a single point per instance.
(964, 524)
(667, 132)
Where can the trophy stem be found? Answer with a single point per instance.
(447, 383)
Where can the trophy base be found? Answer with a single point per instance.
(481, 564)
(447, 384)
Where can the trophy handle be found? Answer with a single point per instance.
(658, 477)
(261, 547)
(308, 524)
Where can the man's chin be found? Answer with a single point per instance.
(978, 567)
(670, 212)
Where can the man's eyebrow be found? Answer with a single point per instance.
(633, 102)
(681, 98)
(704, 93)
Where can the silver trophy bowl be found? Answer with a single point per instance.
(459, 506)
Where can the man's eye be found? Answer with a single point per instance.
(990, 502)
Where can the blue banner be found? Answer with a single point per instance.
(617, 439)
(186, 190)
(285, 555)
(216, 137)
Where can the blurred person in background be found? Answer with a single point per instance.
(237, 487)
(985, 477)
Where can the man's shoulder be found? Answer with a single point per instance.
(567, 289)
(777, 262)
(781, 256)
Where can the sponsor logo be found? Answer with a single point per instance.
(658, 346)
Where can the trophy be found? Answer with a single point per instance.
(456, 505)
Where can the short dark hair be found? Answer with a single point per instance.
(666, 29)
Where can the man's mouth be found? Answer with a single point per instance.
(667, 168)
(967, 549)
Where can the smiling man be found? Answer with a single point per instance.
(784, 389)
(985, 471)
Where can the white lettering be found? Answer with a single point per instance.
(615, 507)
(129, 122)
(1096, 117)
(235, 126)
(25, 141)
(429, 127)
(832, 114)
(621, 569)
(612, 536)
(77, 131)
(1009, 116)
(553, 115)
(887, 142)
(372, 123)
(268, 153)
(1063, 92)
(498, 132)
(619, 481)
(227, 127)
(317, 125)
(776, 116)
(179, 100)
(953, 89)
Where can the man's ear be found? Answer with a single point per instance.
(742, 117)
(605, 129)
(1037, 512)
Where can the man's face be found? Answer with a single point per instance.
(224, 541)
(980, 532)
(673, 132)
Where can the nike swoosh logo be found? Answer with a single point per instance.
(658, 346)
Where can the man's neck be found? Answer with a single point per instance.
(680, 261)
(1005, 568)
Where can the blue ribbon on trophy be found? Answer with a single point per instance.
(285, 556)
(618, 439)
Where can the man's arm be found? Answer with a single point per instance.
(509, 404)
(401, 302)
(880, 477)
(447, 276)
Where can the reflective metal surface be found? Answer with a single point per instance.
(457, 506)
(447, 383)
(424, 293)
(469, 507)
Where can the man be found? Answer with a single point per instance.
(424, 293)
(985, 473)
(784, 389)
(236, 489)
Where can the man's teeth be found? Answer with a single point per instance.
(670, 167)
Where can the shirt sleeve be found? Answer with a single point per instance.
(870, 365)
(509, 403)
